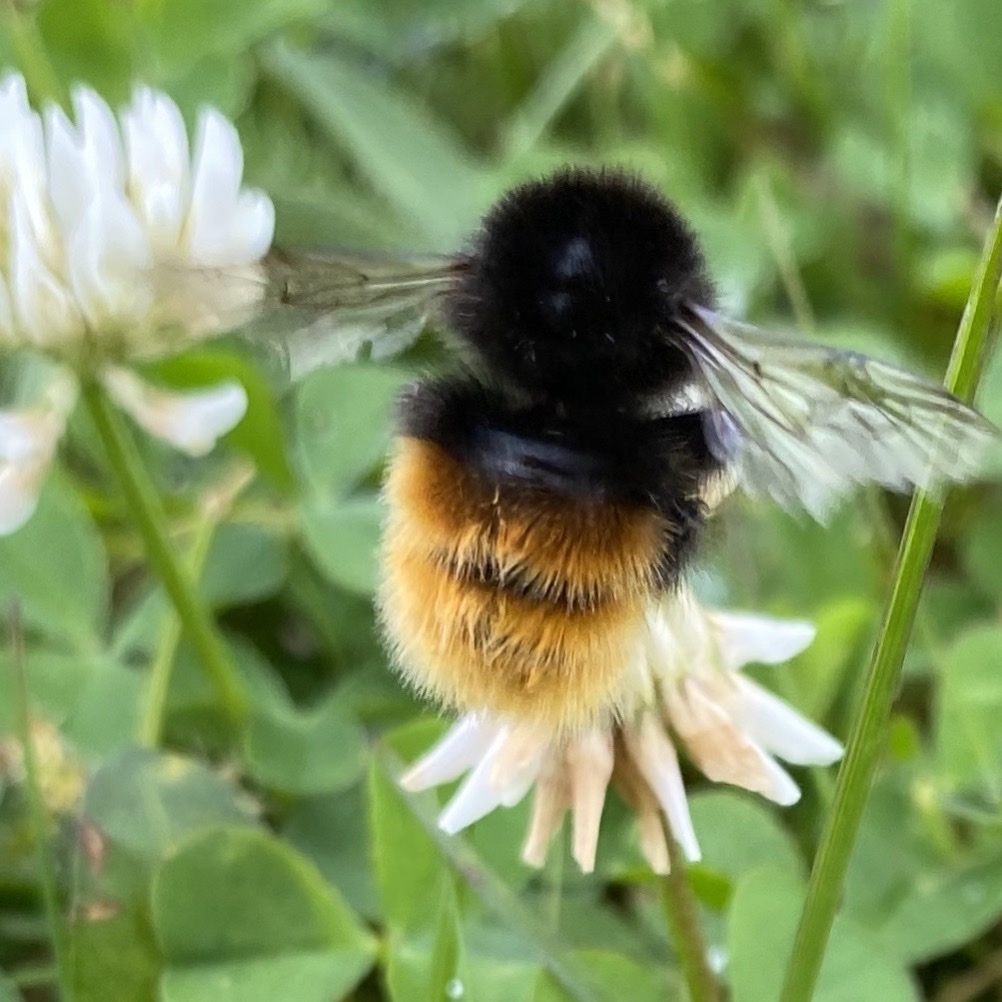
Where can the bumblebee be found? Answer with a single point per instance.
(551, 488)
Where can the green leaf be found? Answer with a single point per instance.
(333, 831)
(408, 870)
(55, 568)
(942, 911)
(618, 977)
(946, 273)
(304, 975)
(844, 628)
(701, 29)
(409, 156)
(344, 623)
(402, 30)
(990, 397)
(313, 218)
(343, 540)
(762, 550)
(498, 839)
(260, 434)
(93, 698)
(90, 41)
(446, 958)
(147, 802)
(591, 41)
(116, 947)
(137, 808)
(969, 36)
(590, 925)
(319, 751)
(495, 967)
(408, 966)
(982, 552)
(8, 990)
(185, 31)
(191, 690)
(246, 563)
(224, 84)
(343, 419)
(718, 814)
(491, 968)
(878, 878)
(55, 681)
(405, 846)
(939, 147)
(240, 917)
(968, 738)
(950, 606)
(762, 921)
(106, 712)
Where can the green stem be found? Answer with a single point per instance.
(147, 509)
(866, 740)
(158, 684)
(564, 76)
(683, 920)
(36, 807)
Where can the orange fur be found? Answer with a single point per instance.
(591, 549)
(555, 647)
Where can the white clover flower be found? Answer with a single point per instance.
(118, 244)
(689, 685)
(28, 439)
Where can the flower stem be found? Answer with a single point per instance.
(36, 807)
(866, 740)
(683, 921)
(148, 512)
(158, 684)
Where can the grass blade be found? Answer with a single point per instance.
(866, 741)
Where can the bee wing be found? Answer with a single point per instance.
(347, 306)
(804, 424)
(303, 311)
(325, 309)
(327, 282)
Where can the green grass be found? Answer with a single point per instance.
(842, 163)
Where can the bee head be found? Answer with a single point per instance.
(572, 284)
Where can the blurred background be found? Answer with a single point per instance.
(840, 161)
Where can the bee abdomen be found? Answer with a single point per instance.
(509, 599)
(524, 582)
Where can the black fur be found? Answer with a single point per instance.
(592, 455)
(566, 303)
(571, 286)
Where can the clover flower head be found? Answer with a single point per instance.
(119, 243)
(688, 690)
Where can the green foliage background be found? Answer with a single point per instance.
(840, 160)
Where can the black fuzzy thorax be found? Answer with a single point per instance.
(571, 289)
(567, 306)
(592, 455)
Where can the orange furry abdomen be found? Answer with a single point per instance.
(513, 599)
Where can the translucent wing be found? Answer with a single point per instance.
(803, 424)
(303, 311)
(348, 306)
